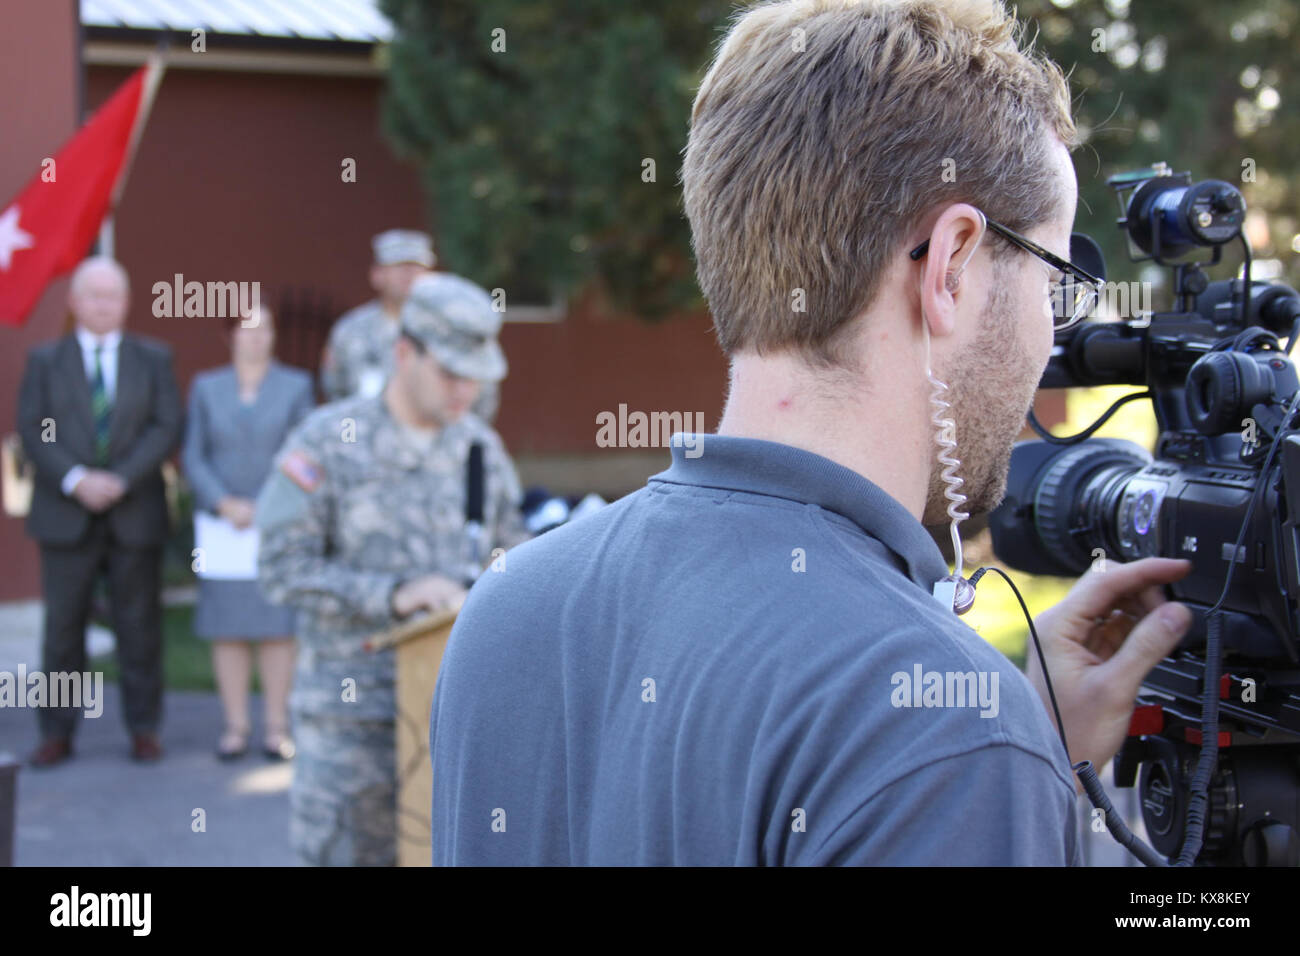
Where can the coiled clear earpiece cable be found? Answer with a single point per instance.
(954, 591)
(946, 438)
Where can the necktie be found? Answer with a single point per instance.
(101, 410)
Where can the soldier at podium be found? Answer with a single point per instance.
(363, 523)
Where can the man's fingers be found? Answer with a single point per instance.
(1153, 638)
(1106, 638)
(1099, 591)
(1144, 602)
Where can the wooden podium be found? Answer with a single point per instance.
(419, 645)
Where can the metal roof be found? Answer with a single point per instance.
(354, 21)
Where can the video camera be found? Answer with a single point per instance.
(1216, 733)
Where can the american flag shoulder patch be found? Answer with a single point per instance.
(301, 470)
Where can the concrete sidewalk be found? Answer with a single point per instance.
(102, 809)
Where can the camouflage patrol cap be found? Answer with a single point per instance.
(403, 245)
(454, 319)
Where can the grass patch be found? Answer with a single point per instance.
(178, 551)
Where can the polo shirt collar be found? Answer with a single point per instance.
(783, 471)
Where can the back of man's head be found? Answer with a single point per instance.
(826, 129)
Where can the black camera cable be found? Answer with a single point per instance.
(1084, 769)
(1088, 432)
(1245, 278)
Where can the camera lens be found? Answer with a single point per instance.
(1065, 503)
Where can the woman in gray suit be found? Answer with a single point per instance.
(239, 415)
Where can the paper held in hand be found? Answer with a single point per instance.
(222, 551)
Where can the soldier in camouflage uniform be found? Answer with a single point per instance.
(363, 523)
(359, 355)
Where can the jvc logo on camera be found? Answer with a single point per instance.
(75, 908)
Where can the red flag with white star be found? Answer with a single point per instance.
(49, 226)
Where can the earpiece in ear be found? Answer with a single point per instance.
(951, 281)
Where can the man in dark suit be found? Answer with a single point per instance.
(98, 413)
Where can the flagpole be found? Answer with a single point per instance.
(155, 67)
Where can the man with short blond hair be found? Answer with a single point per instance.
(752, 660)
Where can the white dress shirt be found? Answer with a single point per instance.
(107, 358)
(108, 366)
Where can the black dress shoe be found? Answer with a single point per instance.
(240, 747)
(279, 748)
(53, 750)
(145, 748)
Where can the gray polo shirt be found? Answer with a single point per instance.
(741, 663)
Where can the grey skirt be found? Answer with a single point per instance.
(236, 609)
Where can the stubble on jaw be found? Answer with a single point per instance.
(986, 386)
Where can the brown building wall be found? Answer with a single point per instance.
(38, 111)
(562, 375)
(238, 178)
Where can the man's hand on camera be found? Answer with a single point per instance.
(432, 592)
(1100, 642)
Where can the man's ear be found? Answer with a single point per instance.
(377, 279)
(953, 241)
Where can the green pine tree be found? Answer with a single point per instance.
(536, 121)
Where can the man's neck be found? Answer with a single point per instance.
(874, 431)
(108, 338)
(402, 413)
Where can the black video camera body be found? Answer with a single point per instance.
(1222, 490)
